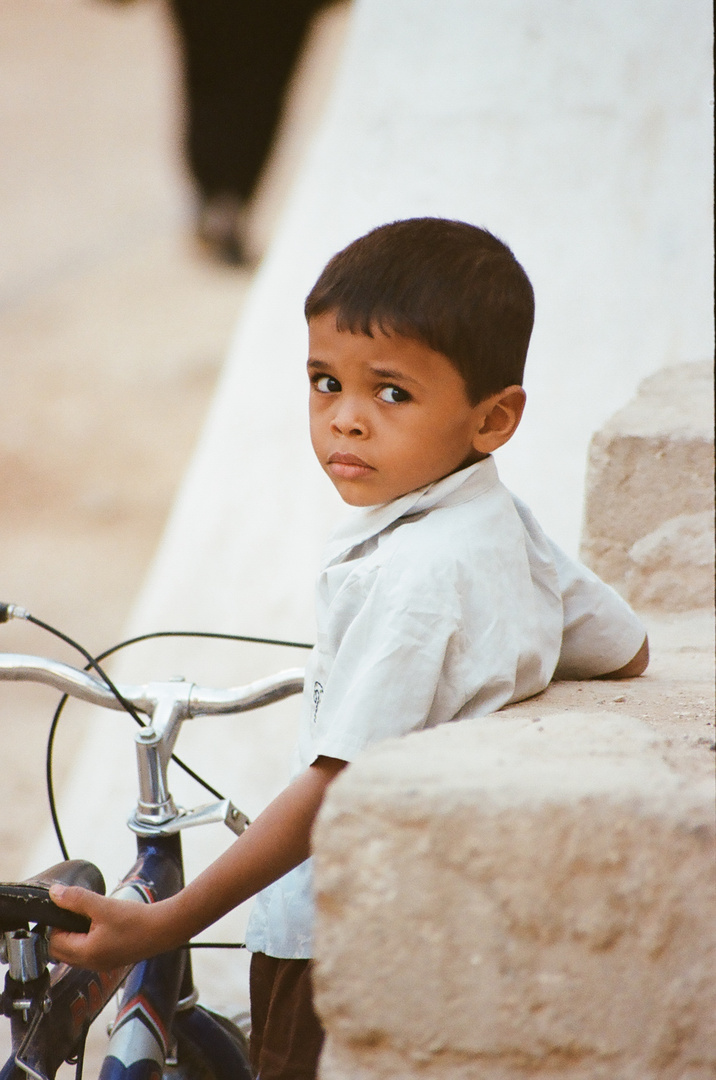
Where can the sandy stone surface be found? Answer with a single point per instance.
(545, 893)
(542, 880)
(655, 456)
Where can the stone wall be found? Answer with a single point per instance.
(511, 897)
(649, 511)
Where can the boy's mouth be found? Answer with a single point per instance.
(348, 466)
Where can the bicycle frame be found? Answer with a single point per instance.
(159, 1003)
(159, 996)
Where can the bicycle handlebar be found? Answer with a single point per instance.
(167, 705)
(199, 701)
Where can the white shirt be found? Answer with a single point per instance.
(446, 603)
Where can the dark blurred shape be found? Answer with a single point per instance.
(237, 56)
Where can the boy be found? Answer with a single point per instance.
(441, 599)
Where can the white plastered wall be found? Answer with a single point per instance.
(578, 132)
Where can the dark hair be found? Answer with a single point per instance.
(454, 287)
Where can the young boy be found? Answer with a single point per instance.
(441, 599)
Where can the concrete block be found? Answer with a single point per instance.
(648, 524)
(504, 898)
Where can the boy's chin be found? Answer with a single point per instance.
(355, 496)
(358, 498)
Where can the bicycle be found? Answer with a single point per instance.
(160, 1031)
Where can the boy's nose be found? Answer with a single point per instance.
(348, 420)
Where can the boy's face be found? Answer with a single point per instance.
(388, 414)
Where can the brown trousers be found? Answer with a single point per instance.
(286, 1034)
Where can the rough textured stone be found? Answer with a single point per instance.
(673, 566)
(648, 524)
(506, 897)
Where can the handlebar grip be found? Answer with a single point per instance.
(23, 904)
(29, 901)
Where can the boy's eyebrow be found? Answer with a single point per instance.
(391, 373)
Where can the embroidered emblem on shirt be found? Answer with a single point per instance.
(317, 695)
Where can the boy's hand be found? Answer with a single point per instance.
(122, 932)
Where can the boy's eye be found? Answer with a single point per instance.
(393, 394)
(326, 384)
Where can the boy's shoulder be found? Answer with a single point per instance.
(461, 535)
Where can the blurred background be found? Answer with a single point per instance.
(114, 322)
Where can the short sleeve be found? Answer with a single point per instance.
(601, 633)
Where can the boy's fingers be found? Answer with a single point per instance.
(61, 942)
(66, 945)
(74, 898)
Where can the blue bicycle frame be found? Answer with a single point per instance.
(158, 1005)
(158, 1009)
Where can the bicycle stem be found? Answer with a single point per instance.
(154, 747)
(156, 813)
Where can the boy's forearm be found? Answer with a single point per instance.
(122, 933)
(276, 842)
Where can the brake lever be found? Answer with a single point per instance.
(223, 812)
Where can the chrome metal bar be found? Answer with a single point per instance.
(202, 701)
(26, 955)
(69, 680)
(206, 702)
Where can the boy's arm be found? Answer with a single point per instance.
(601, 635)
(123, 933)
(602, 638)
(638, 664)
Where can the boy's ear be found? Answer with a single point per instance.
(497, 418)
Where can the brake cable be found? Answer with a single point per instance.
(8, 611)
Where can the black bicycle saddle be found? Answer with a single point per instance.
(29, 901)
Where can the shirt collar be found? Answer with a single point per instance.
(367, 521)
